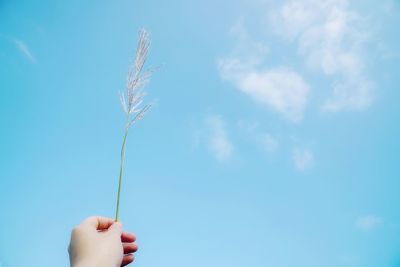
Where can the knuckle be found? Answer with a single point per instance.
(76, 230)
(91, 218)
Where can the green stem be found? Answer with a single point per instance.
(121, 167)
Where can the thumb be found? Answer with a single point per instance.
(115, 228)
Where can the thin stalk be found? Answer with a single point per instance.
(121, 167)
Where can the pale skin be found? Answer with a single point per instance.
(101, 242)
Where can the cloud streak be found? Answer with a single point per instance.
(24, 50)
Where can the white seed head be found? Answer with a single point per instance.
(136, 81)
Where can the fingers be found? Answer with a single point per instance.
(129, 247)
(98, 222)
(127, 240)
(128, 237)
(127, 259)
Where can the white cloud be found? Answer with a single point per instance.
(280, 89)
(218, 142)
(369, 222)
(330, 37)
(24, 49)
(303, 159)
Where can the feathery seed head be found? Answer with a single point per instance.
(136, 81)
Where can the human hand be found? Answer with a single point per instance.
(100, 242)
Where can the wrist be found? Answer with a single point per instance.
(93, 264)
(84, 264)
(89, 264)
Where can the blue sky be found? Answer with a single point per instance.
(274, 139)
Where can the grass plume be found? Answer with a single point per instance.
(132, 98)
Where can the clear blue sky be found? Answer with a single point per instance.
(274, 140)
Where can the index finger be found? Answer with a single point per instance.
(98, 222)
(128, 237)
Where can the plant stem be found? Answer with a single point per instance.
(121, 167)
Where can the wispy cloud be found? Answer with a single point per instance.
(330, 36)
(218, 140)
(24, 49)
(280, 89)
(303, 159)
(330, 39)
(368, 222)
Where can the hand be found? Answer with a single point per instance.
(100, 242)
